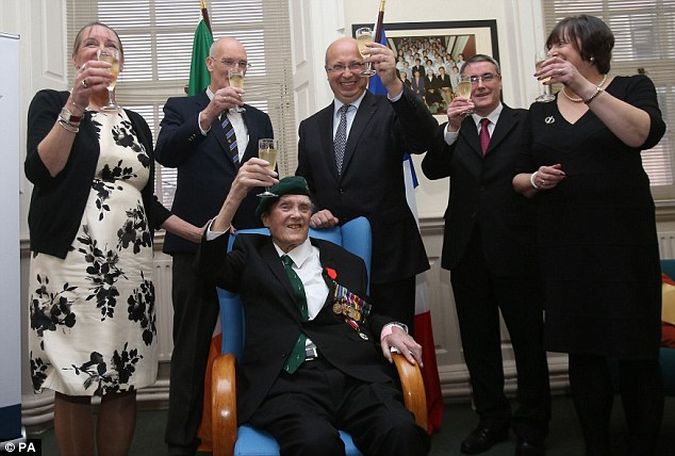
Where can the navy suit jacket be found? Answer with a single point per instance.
(482, 195)
(205, 170)
(272, 316)
(371, 183)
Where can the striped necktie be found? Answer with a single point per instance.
(230, 138)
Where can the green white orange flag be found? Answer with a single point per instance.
(199, 74)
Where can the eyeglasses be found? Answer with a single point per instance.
(340, 68)
(231, 63)
(485, 77)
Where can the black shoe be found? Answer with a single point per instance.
(526, 447)
(483, 438)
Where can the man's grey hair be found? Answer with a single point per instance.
(480, 58)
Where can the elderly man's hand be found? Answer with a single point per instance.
(404, 344)
(223, 100)
(253, 173)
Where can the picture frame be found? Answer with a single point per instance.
(458, 40)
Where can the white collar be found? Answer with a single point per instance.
(338, 104)
(493, 116)
(299, 254)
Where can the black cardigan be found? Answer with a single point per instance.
(58, 202)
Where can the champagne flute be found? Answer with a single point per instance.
(236, 77)
(547, 96)
(463, 90)
(364, 35)
(112, 56)
(268, 150)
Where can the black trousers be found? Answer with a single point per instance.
(195, 307)
(304, 411)
(396, 299)
(640, 384)
(479, 296)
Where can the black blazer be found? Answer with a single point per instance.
(482, 195)
(272, 317)
(371, 183)
(205, 170)
(57, 203)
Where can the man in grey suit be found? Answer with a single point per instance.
(207, 143)
(489, 248)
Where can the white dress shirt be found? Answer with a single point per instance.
(451, 136)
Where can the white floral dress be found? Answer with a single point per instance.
(92, 314)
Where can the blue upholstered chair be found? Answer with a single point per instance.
(667, 355)
(228, 438)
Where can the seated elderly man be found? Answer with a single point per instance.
(309, 368)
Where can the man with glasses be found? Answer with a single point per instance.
(351, 154)
(207, 142)
(489, 248)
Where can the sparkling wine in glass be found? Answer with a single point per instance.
(463, 90)
(364, 35)
(547, 96)
(112, 56)
(236, 77)
(268, 150)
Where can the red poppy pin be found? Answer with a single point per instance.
(331, 273)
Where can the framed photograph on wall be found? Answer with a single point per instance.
(430, 54)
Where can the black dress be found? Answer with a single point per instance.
(597, 231)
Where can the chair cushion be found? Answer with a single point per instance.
(251, 442)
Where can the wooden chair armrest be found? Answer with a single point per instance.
(414, 397)
(224, 405)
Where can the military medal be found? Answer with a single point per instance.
(355, 327)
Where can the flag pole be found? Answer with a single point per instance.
(205, 15)
(380, 21)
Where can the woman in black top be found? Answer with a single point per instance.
(91, 219)
(597, 231)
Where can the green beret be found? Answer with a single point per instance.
(290, 185)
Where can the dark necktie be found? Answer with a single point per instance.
(484, 135)
(340, 141)
(231, 139)
(297, 356)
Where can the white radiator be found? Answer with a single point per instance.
(667, 244)
(162, 281)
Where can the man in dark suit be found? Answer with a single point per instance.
(207, 143)
(351, 154)
(489, 248)
(287, 284)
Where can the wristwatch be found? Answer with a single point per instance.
(69, 117)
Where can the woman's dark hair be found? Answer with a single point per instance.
(590, 36)
(79, 37)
